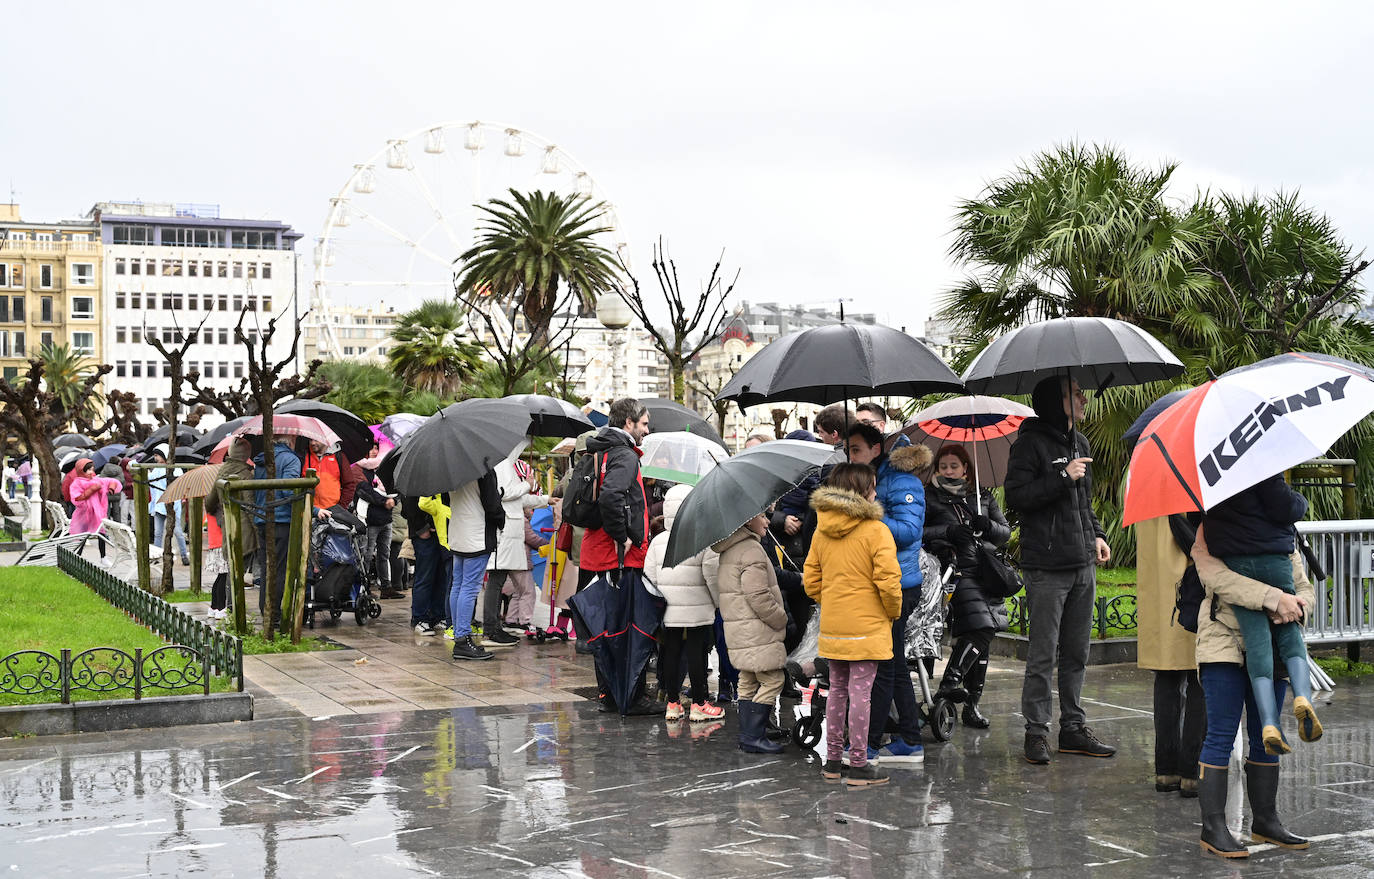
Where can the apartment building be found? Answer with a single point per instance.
(170, 267)
(360, 333)
(50, 289)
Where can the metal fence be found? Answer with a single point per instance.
(104, 670)
(1113, 617)
(1345, 549)
(223, 652)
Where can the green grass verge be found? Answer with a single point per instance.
(1340, 667)
(254, 644)
(44, 609)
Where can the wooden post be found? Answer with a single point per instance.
(195, 524)
(142, 527)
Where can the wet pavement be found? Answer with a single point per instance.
(555, 789)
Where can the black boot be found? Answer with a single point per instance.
(771, 730)
(977, 676)
(1216, 836)
(952, 684)
(751, 730)
(1262, 783)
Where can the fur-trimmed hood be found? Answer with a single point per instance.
(838, 512)
(914, 458)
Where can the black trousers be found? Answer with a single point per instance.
(1180, 722)
(691, 643)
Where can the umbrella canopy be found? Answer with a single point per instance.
(670, 416)
(619, 622)
(193, 483)
(67, 460)
(401, 424)
(186, 435)
(291, 425)
(73, 441)
(458, 444)
(383, 441)
(1251, 423)
(985, 426)
(679, 457)
(1152, 411)
(838, 362)
(552, 416)
(106, 454)
(221, 449)
(206, 444)
(355, 437)
(739, 489)
(1096, 351)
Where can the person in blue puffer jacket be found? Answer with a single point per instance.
(903, 497)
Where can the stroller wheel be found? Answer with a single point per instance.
(335, 613)
(374, 610)
(360, 611)
(942, 719)
(806, 732)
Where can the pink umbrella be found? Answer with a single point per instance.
(303, 426)
(382, 439)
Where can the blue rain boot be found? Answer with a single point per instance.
(1274, 744)
(1300, 678)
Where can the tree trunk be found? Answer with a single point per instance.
(269, 529)
(45, 458)
(679, 389)
(169, 532)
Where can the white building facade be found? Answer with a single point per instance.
(604, 364)
(169, 267)
(363, 333)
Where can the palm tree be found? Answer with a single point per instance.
(430, 353)
(64, 374)
(525, 250)
(369, 391)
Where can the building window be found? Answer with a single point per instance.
(238, 270)
(19, 344)
(224, 335)
(121, 266)
(221, 269)
(45, 276)
(223, 370)
(166, 335)
(45, 309)
(238, 369)
(120, 334)
(267, 303)
(83, 307)
(267, 271)
(136, 369)
(192, 302)
(45, 340)
(121, 368)
(152, 369)
(150, 267)
(4, 275)
(348, 351)
(119, 300)
(192, 268)
(191, 237)
(83, 343)
(17, 308)
(136, 267)
(14, 273)
(207, 269)
(4, 343)
(252, 270)
(136, 334)
(208, 301)
(132, 235)
(5, 311)
(171, 268)
(176, 301)
(238, 301)
(83, 274)
(252, 301)
(166, 302)
(223, 302)
(136, 301)
(254, 240)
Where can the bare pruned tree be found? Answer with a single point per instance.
(499, 327)
(693, 322)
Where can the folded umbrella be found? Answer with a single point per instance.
(1242, 428)
(457, 445)
(839, 362)
(1096, 351)
(670, 416)
(679, 457)
(618, 621)
(355, 437)
(737, 490)
(552, 416)
(985, 426)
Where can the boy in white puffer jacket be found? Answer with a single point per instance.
(689, 589)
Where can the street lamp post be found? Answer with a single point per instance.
(613, 314)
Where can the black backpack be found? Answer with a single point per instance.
(580, 505)
(1188, 602)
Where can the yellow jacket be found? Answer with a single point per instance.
(439, 512)
(853, 574)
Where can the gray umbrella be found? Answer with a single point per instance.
(552, 416)
(459, 444)
(1096, 351)
(738, 490)
(73, 441)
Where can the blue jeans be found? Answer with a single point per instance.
(468, 573)
(429, 594)
(1226, 689)
(892, 684)
(159, 523)
(728, 674)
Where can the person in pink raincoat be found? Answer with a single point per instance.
(90, 496)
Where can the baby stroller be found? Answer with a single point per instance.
(924, 629)
(336, 581)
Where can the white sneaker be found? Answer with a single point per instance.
(425, 629)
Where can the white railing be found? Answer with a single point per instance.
(28, 246)
(1345, 551)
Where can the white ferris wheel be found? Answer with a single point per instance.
(394, 228)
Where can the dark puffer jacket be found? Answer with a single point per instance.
(1257, 521)
(950, 538)
(1059, 529)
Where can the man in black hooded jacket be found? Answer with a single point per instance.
(1049, 484)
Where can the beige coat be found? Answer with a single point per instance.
(1220, 641)
(1162, 645)
(750, 604)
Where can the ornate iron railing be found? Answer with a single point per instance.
(102, 670)
(222, 652)
(1112, 617)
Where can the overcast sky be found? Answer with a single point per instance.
(823, 145)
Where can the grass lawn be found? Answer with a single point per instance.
(254, 643)
(44, 609)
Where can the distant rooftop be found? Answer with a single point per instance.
(155, 209)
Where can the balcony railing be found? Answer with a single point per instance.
(28, 247)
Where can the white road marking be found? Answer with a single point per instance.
(645, 868)
(277, 793)
(389, 836)
(741, 769)
(854, 819)
(406, 752)
(1112, 845)
(229, 784)
(310, 776)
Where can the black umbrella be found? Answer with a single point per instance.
(355, 437)
(619, 622)
(1096, 351)
(1138, 426)
(73, 441)
(552, 416)
(737, 490)
(186, 435)
(666, 416)
(206, 444)
(106, 454)
(458, 445)
(838, 362)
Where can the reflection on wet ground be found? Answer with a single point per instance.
(551, 790)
